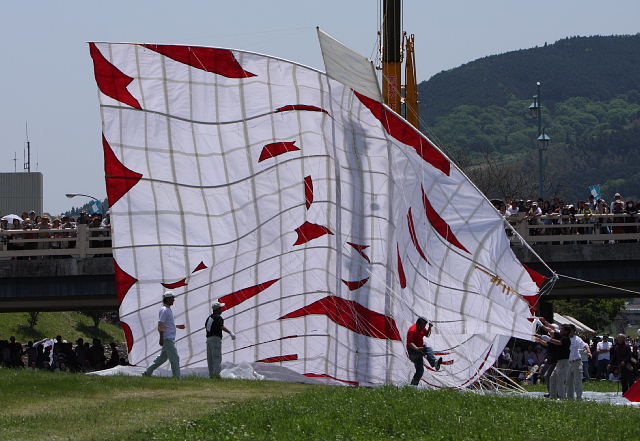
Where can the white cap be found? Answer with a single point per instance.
(168, 295)
(217, 305)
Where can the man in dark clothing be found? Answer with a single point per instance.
(114, 359)
(552, 351)
(214, 327)
(417, 350)
(15, 349)
(621, 359)
(558, 379)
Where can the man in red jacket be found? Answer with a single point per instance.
(417, 350)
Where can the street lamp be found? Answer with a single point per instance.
(73, 195)
(543, 139)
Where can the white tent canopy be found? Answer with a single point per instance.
(568, 320)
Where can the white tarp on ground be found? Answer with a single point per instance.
(324, 221)
(261, 371)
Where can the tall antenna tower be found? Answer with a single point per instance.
(27, 161)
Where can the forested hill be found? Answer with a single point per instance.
(479, 114)
(596, 67)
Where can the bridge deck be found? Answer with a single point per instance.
(73, 269)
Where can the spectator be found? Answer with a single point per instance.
(15, 349)
(533, 217)
(617, 199)
(5, 354)
(621, 362)
(114, 360)
(82, 359)
(602, 349)
(630, 211)
(97, 358)
(32, 355)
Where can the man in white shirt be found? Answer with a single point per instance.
(574, 379)
(603, 348)
(167, 330)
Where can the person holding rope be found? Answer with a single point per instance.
(417, 350)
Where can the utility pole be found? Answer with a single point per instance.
(542, 139)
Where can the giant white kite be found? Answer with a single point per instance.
(324, 221)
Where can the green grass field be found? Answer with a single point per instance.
(41, 405)
(70, 325)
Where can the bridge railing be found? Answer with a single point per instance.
(69, 242)
(579, 228)
(549, 229)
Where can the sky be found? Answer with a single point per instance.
(47, 73)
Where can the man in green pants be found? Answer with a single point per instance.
(167, 330)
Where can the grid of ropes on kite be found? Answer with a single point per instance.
(324, 221)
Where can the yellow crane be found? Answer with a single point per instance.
(396, 46)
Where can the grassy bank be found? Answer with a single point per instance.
(70, 325)
(406, 413)
(53, 406)
(41, 405)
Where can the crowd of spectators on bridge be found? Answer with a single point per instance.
(58, 355)
(29, 225)
(588, 216)
(601, 358)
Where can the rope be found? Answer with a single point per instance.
(600, 284)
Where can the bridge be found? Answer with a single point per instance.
(57, 270)
(73, 269)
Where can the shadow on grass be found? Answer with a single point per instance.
(29, 332)
(92, 332)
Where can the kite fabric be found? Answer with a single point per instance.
(325, 222)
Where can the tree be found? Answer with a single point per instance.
(595, 313)
(33, 319)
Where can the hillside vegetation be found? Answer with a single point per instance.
(70, 325)
(591, 110)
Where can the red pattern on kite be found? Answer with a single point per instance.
(308, 191)
(355, 285)
(439, 224)
(235, 298)
(539, 280)
(177, 284)
(312, 375)
(360, 249)
(301, 107)
(124, 281)
(128, 335)
(200, 266)
(277, 148)
(279, 358)
(479, 369)
(352, 315)
(414, 236)
(406, 134)
(403, 278)
(217, 61)
(119, 178)
(308, 231)
(633, 393)
(111, 81)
